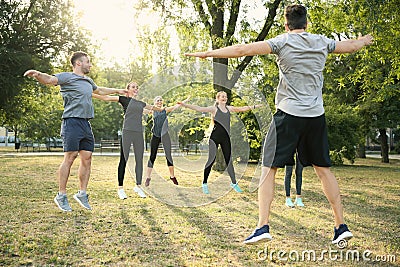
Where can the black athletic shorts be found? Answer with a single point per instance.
(288, 134)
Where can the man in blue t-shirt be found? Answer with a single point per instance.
(299, 123)
(76, 89)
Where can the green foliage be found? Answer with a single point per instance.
(369, 79)
(34, 34)
(344, 133)
(336, 157)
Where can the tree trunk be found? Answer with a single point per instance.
(361, 149)
(384, 145)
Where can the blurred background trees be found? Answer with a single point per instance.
(361, 90)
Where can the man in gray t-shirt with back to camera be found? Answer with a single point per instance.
(76, 89)
(299, 123)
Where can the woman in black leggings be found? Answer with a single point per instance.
(161, 135)
(220, 135)
(299, 179)
(132, 133)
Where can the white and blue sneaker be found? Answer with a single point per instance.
(83, 200)
(342, 233)
(259, 235)
(62, 202)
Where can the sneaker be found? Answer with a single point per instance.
(83, 200)
(299, 202)
(139, 191)
(342, 233)
(289, 203)
(121, 194)
(62, 202)
(147, 183)
(205, 188)
(173, 179)
(236, 187)
(260, 234)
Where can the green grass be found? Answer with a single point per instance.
(148, 232)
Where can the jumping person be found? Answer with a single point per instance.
(132, 134)
(76, 89)
(160, 135)
(299, 123)
(220, 135)
(299, 180)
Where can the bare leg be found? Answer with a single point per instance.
(332, 193)
(265, 194)
(65, 169)
(148, 172)
(171, 171)
(84, 169)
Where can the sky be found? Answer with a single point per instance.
(114, 26)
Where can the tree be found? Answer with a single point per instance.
(216, 24)
(367, 80)
(34, 34)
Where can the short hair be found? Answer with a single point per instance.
(77, 55)
(296, 17)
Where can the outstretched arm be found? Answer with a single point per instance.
(107, 91)
(234, 51)
(353, 45)
(198, 108)
(43, 78)
(151, 107)
(112, 98)
(170, 109)
(243, 108)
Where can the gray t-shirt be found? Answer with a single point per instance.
(133, 113)
(301, 59)
(76, 92)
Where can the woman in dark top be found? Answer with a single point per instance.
(132, 133)
(160, 135)
(220, 135)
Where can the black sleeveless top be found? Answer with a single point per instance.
(222, 122)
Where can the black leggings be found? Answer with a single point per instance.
(299, 177)
(154, 143)
(137, 141)
(225, 142)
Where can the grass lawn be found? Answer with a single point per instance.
(149, 232)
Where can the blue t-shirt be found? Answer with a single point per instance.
(76, 92)
(301, 59)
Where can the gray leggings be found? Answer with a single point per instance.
(137, 141)
(299, 177)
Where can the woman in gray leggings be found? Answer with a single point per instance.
(132, 133)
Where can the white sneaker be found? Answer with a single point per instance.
(139, 191)
(121, 194)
